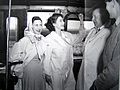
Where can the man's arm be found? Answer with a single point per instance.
(110, 75)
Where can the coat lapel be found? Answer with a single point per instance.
(93, 36)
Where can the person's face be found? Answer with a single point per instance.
(96, 18)
(110, 6)
(37, 26)
(59, 23)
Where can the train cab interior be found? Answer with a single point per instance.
(21, 13)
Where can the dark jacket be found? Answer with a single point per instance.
(108, 74)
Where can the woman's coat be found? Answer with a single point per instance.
(58, 61)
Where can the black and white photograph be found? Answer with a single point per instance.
(59, 44)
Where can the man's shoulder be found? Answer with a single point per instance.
(106, 30)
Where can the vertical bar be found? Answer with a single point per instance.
(7, 51)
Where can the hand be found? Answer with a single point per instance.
(80, 16)
(81, 21)
(29, 33)
(31, 36)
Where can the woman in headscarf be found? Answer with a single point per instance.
(31, 71)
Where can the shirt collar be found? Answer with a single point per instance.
(101, 27)
(117, 21)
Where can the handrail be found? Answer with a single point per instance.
(7, 51)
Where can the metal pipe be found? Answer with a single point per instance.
(7, 51)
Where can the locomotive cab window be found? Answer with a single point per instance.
(13, 30)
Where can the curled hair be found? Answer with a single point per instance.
(36, 18)
(108, 0)
(51, 20)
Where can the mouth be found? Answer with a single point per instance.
(39, 30)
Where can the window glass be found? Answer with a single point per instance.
(13, 30)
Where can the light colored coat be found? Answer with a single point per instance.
(26, 50)
(23, 50)
(94, 45)
(58, 61)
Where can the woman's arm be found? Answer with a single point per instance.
(82, 33)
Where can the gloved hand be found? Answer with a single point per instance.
(80, 16)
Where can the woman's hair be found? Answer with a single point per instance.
(108, 0)
(111, 0)
(36, 18)
(51, 20)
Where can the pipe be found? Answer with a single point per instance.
(7, 51)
